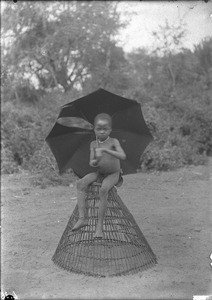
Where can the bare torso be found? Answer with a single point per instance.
(108, 164)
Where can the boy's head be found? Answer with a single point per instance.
(102, 126)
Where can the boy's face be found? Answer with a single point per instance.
(102, 129)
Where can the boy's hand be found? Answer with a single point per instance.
(99, 151)
(94, 163)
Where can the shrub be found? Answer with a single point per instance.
(180, 118)
(8, 164)
(24, 129)
(43, 165)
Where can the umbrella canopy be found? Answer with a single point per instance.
(71, 144)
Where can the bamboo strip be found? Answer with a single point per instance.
(123, 250)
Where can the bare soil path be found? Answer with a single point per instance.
(173, 210)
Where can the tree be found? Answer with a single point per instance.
(203, 52)
(60, 43)
(109, 72)
(168, 41)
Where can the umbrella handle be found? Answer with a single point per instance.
(97, 142)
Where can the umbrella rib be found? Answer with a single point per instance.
(131, 132)
(84, 117)
(79, 111)
(78, 146)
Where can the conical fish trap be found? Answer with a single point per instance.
(123, 250)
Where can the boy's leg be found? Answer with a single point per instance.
(82, 186)
(107, 184)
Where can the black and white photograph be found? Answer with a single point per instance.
(106, 150)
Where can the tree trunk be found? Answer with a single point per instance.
(172, 75)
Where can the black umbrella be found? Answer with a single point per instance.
(71, 144)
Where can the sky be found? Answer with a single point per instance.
(150, 14)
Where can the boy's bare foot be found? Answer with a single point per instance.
(98, 234)
(80, 223)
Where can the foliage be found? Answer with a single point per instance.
(24, 128)
(47, 41)
(169, 37)
(180, 118)
(58, 44)
(168, 41)
(43, 165)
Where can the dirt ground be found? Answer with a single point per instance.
(173, 210)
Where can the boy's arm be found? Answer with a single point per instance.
(93, 161)
(118, 153)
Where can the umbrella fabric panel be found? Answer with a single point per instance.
(65, 146)
(71, 111)
(59, 129)
(100, 101)
(131, 120)
(133, 145)
(75, 122)
(79, 161)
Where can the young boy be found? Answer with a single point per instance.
(105, 155)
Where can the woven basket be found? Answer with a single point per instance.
(123, 250)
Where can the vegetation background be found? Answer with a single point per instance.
(55, 52)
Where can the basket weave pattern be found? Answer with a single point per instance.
(123, 250)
